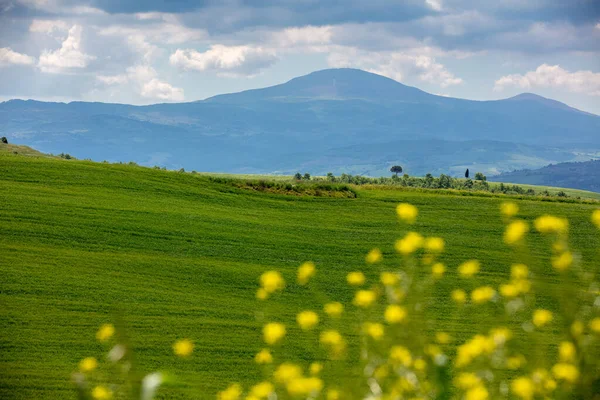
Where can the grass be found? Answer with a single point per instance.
(178, 255)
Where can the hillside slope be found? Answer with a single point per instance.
(178, 255)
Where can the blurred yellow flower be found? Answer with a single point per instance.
(395, 314)
(407, 212)
(183, 347)
(523, 387)
(515, 362)
(374, 330)
(442, 338)
(307, 320)
(542, 317)
(262, 390)
(286, 372)
(400, 355)
(263, 357)
(273, 332)
(509, 290)
(466, 380)
(333, 341)
(566, 372)
(482, 294)
(509, 209)
(438, 270)
(389, 278)
(315, 368)
(519, 271)
(500, 335)
(459, 296)
(595, 325)
(105, 332)
(262, 294)
(577, 328)
(303, 386)
(334, 309)
(551, 224)
(477, 393)
(364, 298)
(434, 244)
(233, 392)
(567, 352)
(563, 261)
(88, 364)
(305, 272)
(596, 218)
(272, 281)
(420, 364)
(469, 268)
(409, 243)
(355, 278)
(515, 231)
(374, 256)
(333, 394)
(101, 393)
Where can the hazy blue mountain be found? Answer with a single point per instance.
(339, 120)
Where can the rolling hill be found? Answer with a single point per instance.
(316, 123)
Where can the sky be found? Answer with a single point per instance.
(155, 51)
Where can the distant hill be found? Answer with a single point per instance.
(338, 120)
(575, 175)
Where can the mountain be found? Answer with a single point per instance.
(575, 175)
(338, 120)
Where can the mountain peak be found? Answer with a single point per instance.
(545, 101)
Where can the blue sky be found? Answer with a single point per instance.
(153, 51)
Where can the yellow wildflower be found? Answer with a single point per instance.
(374, 256)
(551, 224)
(333, 341)
(420, 364)
(515, 362)
(566, 352)
(482, 294)
(263, 357)
(434, 244)
(472, 349)
(305, 272)
(500, 335)
(88, 364)
(304, 386)
(364, 298)
(577, 328)
(307, 320)
(286, 372)
(233, 392)
(105, 332)
(262, 294)
(515, 231)
(509, 209)
(477, 393)
(595, 325)
(565, 372)
(333, 394)
(272, 281)
(409, 243)
(273, 332)
(401, 355)
(563, 261)
(519, 271)
(262, 390)
(509, 290)
(442, 338)
(596, 218)
(395, 314)
(459, 296)
(183, 347)
(437, 270)
(334, 309)
(315, 368)
(355, 278)
(542, 317)
(523, 285)
(101, 393)
(374, 330)
(466, 380)
(407, 212)
(523, 387)
(469, 268)
(389, 278)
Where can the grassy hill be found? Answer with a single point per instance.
(179, 255)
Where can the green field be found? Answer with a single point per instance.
(178, 255)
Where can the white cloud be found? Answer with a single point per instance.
(435, 5)
(48, 26)
(10, 57)
(169, 32)
(68, 57)
(553, 76)
(149, 86)
(232, 61)
(110, 80)
(306, 35)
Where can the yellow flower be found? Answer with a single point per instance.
(307, 320)
(523, 387)
(262, 390)
(442, 338)
(542, 317)
(420, 364)
(477, 393)
(101, 393)
(105, 332)
(434, 244)
(183, 347)
(566, 352)
(364, 298)
(376, 331)
(262, 294)
(509, 209)
(233, 392)
(459, 296)
(523, 285)
(596, 218)
(577, 328)
(355, 278)
(515, 362)
(500, 335)
(519, 271)
(437, 270)
(272, 281)
(374, 256)
(305, 272)
(273, 332)
(472, 349)
(595, 325)
(551, 224)
(263, 357)
(389, 278)
(509, 290)
(286, 372)
(407, 212)
(409, 244)
(401, 355)
(466, 380)
(333, 394)
(563, 261)
(334, 309)
(565, 372)
(315, 368)
(88, 364)
(395, 314)
(515, 231)
(304, 386)
(469, 268)
(482, 294)
(334, 342)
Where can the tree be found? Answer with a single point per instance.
(298, 176)
(306, 177)
(480, 177)
(330, 177)
(396, 169)
(4, 140)
(467, 173)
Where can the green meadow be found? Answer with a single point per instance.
(174, 255)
